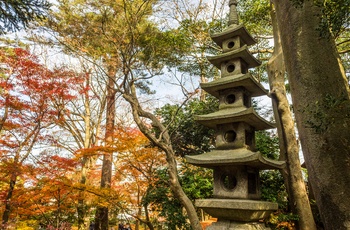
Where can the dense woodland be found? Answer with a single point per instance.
(98, 101)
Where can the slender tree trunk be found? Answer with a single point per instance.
(298, 198)
(81, 200)
(58, 215)
(4, 117)
(179, 193)
(148, 221)
(321, 104)
(101, 220)
(203, 76)
(8, 206)
(17, 162)
(86, 161)
(139, 208)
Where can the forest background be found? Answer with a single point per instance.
(91, 131)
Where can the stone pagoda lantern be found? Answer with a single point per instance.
(235, 163)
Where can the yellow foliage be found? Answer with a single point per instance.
(27, 225)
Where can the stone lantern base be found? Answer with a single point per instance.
(237, 210)
(232, 225)
(237, 214)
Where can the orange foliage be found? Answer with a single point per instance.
(136, 165)
(286, 225)
(33, 98)
(29, 94)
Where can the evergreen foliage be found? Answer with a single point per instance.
(163, 201)
(335, 15)
(188, 136)
(17, 14)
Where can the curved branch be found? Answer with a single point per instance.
(344, 51)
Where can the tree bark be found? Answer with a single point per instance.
(81, 210)
(289, 149)
(101, 220)
(7, 211)
(321, 104)
(148, 221)
(87, 161)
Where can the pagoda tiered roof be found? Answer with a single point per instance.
(240, 156)
(242, 53)
(232, 81)
(234, 115)
(233, 31)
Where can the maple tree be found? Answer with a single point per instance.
(82, 125)
(51, 198)
(27, 92)
(137, 164)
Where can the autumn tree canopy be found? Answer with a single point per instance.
(94, 137)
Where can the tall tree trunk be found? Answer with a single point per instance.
(101, 220)
(289, 149)
(321, 103)
(86, 161)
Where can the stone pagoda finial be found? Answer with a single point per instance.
(233, 16)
